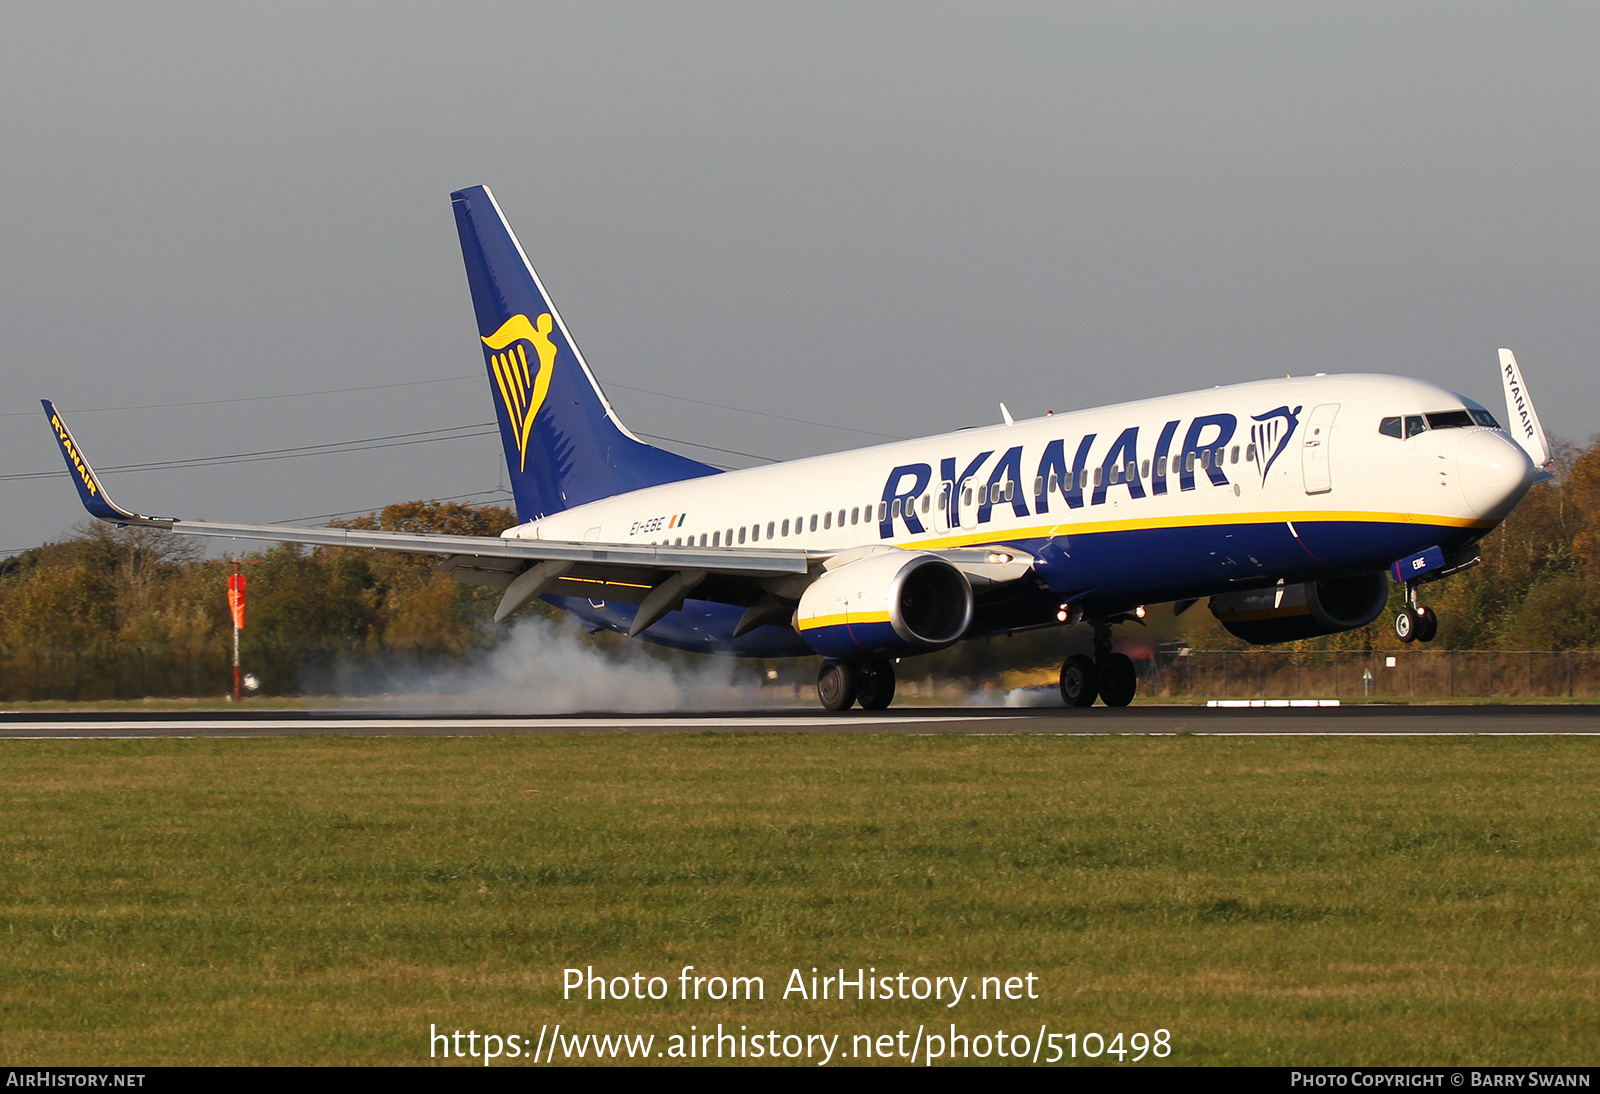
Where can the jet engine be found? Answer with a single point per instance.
(891, 602)
(1287, 613)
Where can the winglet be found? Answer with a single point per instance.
(1522, 420)
(95, 498)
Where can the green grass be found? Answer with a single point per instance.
(1268, 901)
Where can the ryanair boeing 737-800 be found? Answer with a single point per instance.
(1291, 504)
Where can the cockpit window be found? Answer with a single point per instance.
(1412, 424)
(1449, 419)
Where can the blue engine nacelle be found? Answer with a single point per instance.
(1288, 613)
(892, 602)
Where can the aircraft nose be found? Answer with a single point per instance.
(1494, 472)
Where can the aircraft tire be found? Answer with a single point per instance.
(836, 685)
(1427, 624)
(1080, 683)
(1405, 625)
(1119, 680)
(875, 690)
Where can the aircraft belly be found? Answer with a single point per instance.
(700, 626)
(1356, 546)
(1156, 565)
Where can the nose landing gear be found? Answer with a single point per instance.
(1415, 622)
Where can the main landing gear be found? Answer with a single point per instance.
(1415, 622)
(1108, 676)
(843, 683)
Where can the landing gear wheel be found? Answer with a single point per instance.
(836, 685)
(1080, 683)
(1427, 624)
(875, 689)
(1119, 680)
(1406, 625)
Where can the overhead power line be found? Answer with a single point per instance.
(248, 398)
(331, 448)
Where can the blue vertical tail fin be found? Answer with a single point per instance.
(564, 444)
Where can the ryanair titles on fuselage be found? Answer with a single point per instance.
(1062, 474)
(1205, 449)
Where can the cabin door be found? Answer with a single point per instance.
(1314, 449)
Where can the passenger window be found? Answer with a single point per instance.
(813, 522)
(1415, 425)
(1161, 467)
(1144, 470)
(786, 526)
(1098, 473)
(729, 540)
(855, 515)
(966, 496)
(944, 497)
(841, 518)
(1235, 457)
(894, 510)
(827, 519)
(1250, 449)
(772, 526)
(1083, 478)
(716, 539)
(1051, 484)
(741, 533)
(755, 533)
(1205, 460)
(703, 538)
(1390, 427)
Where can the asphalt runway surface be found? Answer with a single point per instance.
(1151, 719)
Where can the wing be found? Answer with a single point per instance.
(766, 581)
(652, 577)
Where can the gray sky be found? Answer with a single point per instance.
(881, 217)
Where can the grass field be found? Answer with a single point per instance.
(1267, 901)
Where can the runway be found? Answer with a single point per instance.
(1148, 720)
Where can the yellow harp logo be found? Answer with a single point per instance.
(522, 391)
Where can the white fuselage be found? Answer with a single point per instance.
(1306, 449)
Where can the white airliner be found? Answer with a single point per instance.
(1290, 504)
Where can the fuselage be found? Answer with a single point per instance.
(1163, 499)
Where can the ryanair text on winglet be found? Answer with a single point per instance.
(72, 455)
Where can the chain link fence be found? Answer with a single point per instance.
(1415, 673)
(204, 670)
